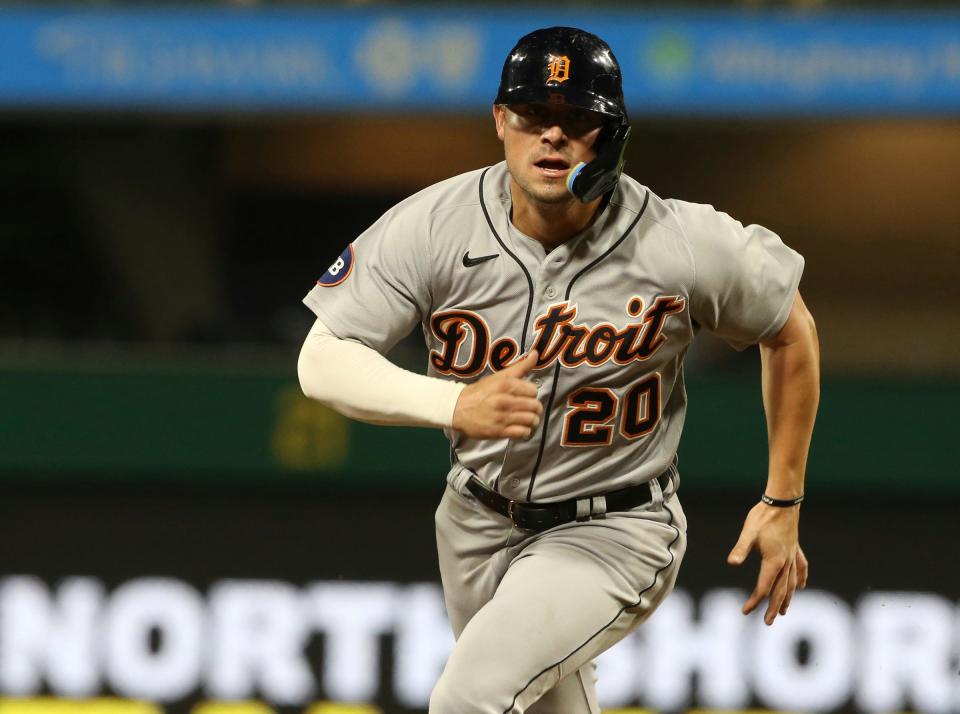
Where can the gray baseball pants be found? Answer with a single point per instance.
(530, 612)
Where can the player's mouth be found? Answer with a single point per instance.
(553, 167)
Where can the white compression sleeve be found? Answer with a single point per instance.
(362, 384)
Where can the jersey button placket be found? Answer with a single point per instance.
(550, 292)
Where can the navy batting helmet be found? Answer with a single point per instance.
(563, 65)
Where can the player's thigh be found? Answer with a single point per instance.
(568, 597)
(471, 553)
(515, 647)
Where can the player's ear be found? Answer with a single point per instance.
(498, 119)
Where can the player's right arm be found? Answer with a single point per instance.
(362, 384)
(380, 287)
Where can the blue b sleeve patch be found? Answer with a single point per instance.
(340, 270)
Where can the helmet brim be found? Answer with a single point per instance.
(572, 96)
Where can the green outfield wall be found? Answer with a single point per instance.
(214, 425)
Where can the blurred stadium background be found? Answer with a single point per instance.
(181, 531)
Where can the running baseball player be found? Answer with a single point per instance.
(557, 298)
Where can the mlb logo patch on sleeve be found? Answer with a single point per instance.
(339, 271)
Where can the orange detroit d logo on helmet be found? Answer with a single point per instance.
(559, 69)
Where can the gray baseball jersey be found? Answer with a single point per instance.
(611, 314)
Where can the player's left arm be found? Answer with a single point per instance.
(790, 364)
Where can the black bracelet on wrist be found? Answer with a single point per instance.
(781, 502)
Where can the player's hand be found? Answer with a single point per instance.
(783, 566)
(501, 405)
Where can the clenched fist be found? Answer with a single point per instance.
(501, 405)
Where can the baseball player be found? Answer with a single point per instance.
(557, 298)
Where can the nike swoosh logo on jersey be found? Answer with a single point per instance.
(469, 262)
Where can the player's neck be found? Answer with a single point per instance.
(552, 224)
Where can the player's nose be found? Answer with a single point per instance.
(553, 134)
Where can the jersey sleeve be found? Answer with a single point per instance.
(745, 276)
(377, 291)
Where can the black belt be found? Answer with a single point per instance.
(532, 516)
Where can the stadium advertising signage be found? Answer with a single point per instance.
(189, 601)
(406, 58)
(383, 644)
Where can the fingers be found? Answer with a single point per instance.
(515, 417)
(741, 550)
(515, 432)
(803, 569)
(781, 592)
(523, 366)
(769, 570)
(791, 589)
(778, 595)
(529, 405)
(523, 419)
(520, 424)
(505, 407)
(520, 387)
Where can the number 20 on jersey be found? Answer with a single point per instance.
(594, 413)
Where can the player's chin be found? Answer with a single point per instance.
(560, 195)
(550, 190)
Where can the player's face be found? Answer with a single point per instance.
(542, 142)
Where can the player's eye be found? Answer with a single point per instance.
(582, 122)
(528, 115)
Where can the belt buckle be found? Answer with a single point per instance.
(512, 515)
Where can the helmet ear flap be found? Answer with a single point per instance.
(606, 135)
(589, 181)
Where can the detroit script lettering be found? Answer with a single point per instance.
(557, 337)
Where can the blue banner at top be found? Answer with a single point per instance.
(372, 60)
